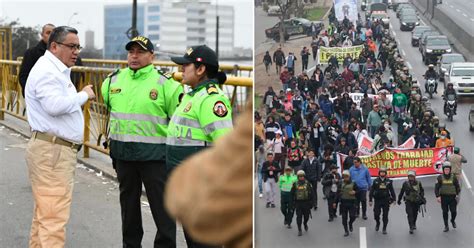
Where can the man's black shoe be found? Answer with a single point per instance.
(330, 219)
(268, 204)
(346, 234)
(350, 228)
(315, 208)
(377, 227)
(300, 233)
(306, 227)
(289, 226)
(384, 231)
(446, 229)
(453, 223)
(273, 205)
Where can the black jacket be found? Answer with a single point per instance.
(272, 167)
(29, 60)
(312, 170)
(380, 194)
(328, 181)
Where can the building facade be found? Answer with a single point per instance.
(117, 21)
(173, 26)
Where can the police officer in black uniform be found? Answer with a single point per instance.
(384, 194)
(347, 198)
(447, 190)
(331, 182)
(302, 193)
(414, 197)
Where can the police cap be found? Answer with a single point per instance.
(143, 41)
(198, 54)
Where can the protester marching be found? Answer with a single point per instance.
(358, 113)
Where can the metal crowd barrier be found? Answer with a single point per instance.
(238, 89)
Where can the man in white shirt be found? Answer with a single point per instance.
(57, 123)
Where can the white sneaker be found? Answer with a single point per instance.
(260, 195)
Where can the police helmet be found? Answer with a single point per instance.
(411, 173)
(346, 173)
(424, 98)
(430, 65)
(442, 125)
(300, 173)
(415, 85)
(435, 118)
(414, 80)
(383, 169)
(446, 164)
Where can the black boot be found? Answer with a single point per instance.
(446, 229)
(350, 227)
(306, 227)
(453, 223)
(288, 226)
(377, 226)
(384, 229)
(411, 230)
(268, 204)
(300, 233)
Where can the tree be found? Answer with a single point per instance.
(22, 37)
(285, 10)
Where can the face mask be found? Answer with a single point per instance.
(443, 137)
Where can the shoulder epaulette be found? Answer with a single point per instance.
(167, 75)
(212, 89)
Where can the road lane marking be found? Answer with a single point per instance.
(362, 238)
(464, 14)
(458, 10)
(472, 19)
(468, 184)
(451, 6)
(422, 22)
(409, 65)
(403, 53)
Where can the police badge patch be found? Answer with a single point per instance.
(220, 109)
(153, 94)
(187, 108)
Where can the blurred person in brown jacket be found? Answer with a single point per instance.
(211, 193)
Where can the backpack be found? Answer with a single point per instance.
(302, 191)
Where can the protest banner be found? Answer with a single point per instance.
(365, 145)
(324, 53)
(357, 97)
(409, 144)
(398, 161)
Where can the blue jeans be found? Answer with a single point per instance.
(260, 181)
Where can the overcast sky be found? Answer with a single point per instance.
(91, 15)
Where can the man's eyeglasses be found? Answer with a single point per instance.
(72, 46)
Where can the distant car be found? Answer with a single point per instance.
(293, 26)
(423, 36)
(273, 10)
(407, 11)
(416, 33)
(381, 15)
(402, 7)
(445, 62)
(408, 23)
(461, 75)
(397, 3)
(434, 47)
(471, 118)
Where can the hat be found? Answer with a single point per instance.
(346, 173)
(278, 132)
(201, 54)
(411, 173)
(300, 173)
(446, 164)
(143, 41)
(288, 168)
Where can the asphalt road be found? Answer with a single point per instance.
(461, 11)
(270, 231)
(262, 22)
(95, 212)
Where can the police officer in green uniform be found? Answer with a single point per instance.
(447, 190)
(384, 194)
(286, 182)
(141, 99)
(414, 197)
(302, 192)
(347, 199)
(204, 114)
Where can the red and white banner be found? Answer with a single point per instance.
(409, 144)
(398, 161)
(366, 143)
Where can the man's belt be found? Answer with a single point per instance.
(55, 140)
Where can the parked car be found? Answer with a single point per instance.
(274, 10)
(445, 62)
(397, 3)
(461, 75)
(434, 47)
(293, 26)
(416, 33)
(381, 15)
(402, 7)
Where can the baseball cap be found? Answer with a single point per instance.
(144, 43)
(201, 54)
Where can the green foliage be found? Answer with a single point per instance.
(315, 14)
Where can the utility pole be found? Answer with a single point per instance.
(134, 31)
(217, 31)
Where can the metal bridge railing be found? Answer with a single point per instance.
(238, 89)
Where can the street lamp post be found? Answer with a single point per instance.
(217, 30)
(70, 18)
